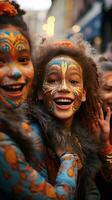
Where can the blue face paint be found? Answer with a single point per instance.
(15, 33)
(5, 48)
(54, 62)
(17, 75)
(11, 103)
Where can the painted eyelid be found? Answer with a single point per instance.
(52, 79)
(53, 72)
(53, 76)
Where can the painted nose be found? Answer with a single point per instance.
(63, 87)
(15, 73)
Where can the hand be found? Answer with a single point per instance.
(104, 124)
(102, 127)
(64, 149)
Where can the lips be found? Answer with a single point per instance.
(13, 90)
(63, 101)
(13, 87)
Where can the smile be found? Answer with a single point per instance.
(13, 87)
(63, 101)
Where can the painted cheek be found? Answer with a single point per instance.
(77, 99)
(48, 96)
(28, 73)
(7, 102)
(49, 89)
(11, 103)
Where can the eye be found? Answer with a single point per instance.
(52, 78)
(51, 81)
(73, 82)
(108, 89)
(24, 60)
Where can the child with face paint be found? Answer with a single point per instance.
(23, 165)
(66, 104)
(16, 69)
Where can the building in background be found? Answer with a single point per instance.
(94, 20)
(73, 16)
(65, 17)
(63, 12)
(106, 25)
(36, 13)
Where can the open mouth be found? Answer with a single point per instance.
(13, 87)
(63, 101)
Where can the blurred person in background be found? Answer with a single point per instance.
(104, 178)
(108, 52)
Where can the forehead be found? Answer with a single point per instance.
(63, 61)
(12, 36)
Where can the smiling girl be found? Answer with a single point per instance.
(66, 104)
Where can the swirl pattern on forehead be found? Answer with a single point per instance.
(12, 39)
(58, 60)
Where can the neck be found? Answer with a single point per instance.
(67, 123)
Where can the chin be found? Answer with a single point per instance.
(63, 116)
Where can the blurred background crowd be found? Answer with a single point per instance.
(63, 18)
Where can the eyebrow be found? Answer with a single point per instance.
(24, 51)
(53, 71)
(53, 67)
(74, 74)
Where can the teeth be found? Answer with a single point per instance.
(13, 87)
(63, 100)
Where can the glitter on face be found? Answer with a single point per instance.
(63, 87)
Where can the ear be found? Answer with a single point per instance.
(84, 96)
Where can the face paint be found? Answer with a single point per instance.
(63, 90)
(17, 75)
(16, 69)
